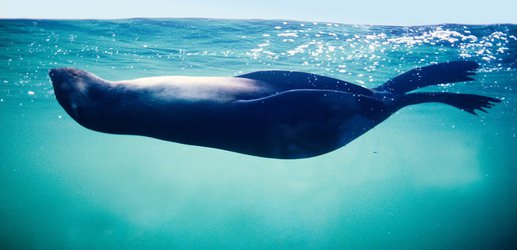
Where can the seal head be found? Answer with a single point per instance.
(83, 95)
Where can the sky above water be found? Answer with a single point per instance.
(395, 12)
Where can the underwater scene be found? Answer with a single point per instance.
(431, 176)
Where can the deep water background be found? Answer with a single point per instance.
(430, 177)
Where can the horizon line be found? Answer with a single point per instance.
(253, 19)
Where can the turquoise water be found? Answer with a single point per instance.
(430, 177)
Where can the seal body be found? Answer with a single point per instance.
(275, 114)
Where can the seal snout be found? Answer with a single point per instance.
(68, 79)
(53, 74)
(68, 88)
(58, 76)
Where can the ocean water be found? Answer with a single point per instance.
(429, 177)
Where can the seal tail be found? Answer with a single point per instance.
(448, 72)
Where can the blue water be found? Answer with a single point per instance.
(430, 177)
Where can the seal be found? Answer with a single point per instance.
(273, 114)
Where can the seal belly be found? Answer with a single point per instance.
(192, 89)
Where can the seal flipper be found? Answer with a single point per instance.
(466, 102)
(448, 72)
(320, 99)
(291, 80)
(327, 121)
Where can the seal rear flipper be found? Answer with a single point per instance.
(292, 80)
(466, 102)
(449, 72)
